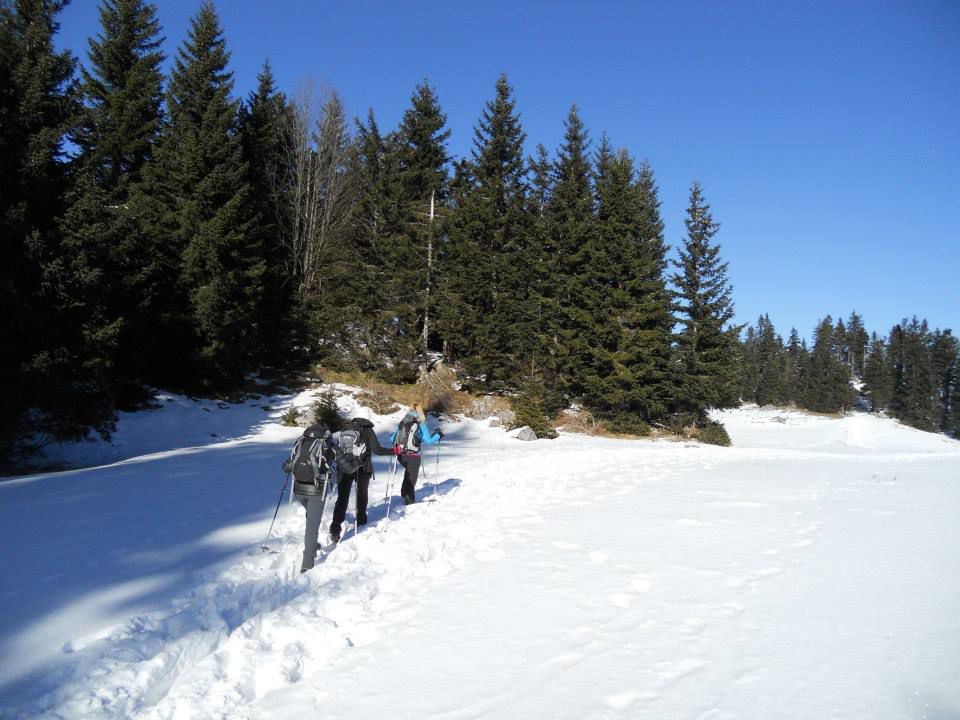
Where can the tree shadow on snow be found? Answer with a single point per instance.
(87, 548)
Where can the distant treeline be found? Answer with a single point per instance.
(912, 374)
(158, 231)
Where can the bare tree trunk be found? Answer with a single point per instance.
(318, 148)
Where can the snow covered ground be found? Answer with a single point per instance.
(810, 571)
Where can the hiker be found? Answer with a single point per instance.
(409, 436)
(309, 462)
(355, 465)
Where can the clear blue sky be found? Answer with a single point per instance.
(825, 133)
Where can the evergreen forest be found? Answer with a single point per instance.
(160, 232)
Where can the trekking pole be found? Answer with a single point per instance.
(323, 502)
(389, 496)
(393, 468)
(436, 470)
(286, 479)
(356, 504)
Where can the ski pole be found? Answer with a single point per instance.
(286, 479)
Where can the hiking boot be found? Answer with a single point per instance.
(335, 536)
(408, 499)
(362, 520)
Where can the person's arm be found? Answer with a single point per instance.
(373, 442)
(428, 436)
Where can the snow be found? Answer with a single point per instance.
(809, 571)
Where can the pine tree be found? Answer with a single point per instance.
(750, 365)
(103, 247)
(37, 107)
(826, 382)
(539, 266)
(706, 342)
(857, 341)
(263, 121)
(484, 276)
(569, 244)
(376, 219)
(627, 377)
(645, 349)
(945, 351)
(204, 198)
(422, 160)
(770, 359)
(877, 375)
(953, 421)
(793, 365)
(915, 391)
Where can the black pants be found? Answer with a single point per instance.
(343, 497)
(314, 507)
(411, 471)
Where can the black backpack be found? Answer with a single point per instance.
(406, 441)
(310, 457)
(351, 450)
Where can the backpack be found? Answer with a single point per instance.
(406, 441)
(351, 450)
(310, 455)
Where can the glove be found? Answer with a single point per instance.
(440, 434)
(287, 466)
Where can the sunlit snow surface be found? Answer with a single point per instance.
(811, 571)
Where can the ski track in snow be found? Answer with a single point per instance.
(675, 603)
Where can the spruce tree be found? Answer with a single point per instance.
(263, 120)
(793, 364)
(627, 378)
(569, 245)
(750, 365)
(770, 361)
(103, 243)
(953, 420)
(878, 375)
(205, 202)
(915, 391)
(706, 343)
(37, 107)
(945, 351)
(423, 159)
(647, 323)
(537, 263)
(484, 274)
(375, 222)
(857, 341)
(826, 383)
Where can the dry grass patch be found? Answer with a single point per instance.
(435, 392)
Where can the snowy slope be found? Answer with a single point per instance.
(810, 571)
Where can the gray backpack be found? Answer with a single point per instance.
(351, 450)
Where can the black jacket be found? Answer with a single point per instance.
(373, 443)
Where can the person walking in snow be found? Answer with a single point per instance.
(310, 464)
(407, 440)
(361, 471)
